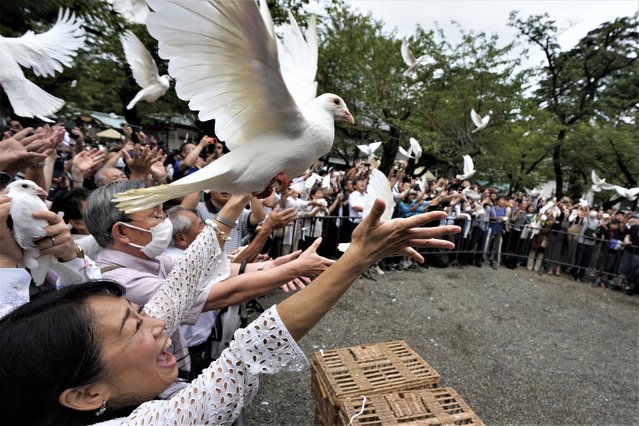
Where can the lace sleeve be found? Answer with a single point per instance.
(218, 395)
(202, 263)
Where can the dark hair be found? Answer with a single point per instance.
(70, 203)
(49, 345)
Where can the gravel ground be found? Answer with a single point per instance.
(519, 348)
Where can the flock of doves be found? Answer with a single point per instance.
(230, 66)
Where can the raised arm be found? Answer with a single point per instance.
(372, 240)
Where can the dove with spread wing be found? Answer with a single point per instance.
(414, 151)
(599, 184)
(410, 61)
(226, 65)
(479, 121)
(628, 193)
(469, 168)
(45, 53)
(369, 150)
(25, 199)
(145, 71)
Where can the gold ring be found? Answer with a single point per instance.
(52, 241)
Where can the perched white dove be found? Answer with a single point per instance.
(46, 54)
(598, 184)
(410, 60)
(144, 69)
(133, 11)
(471, 193)
(479, 121)
(24, 201)
(628, 193)
(378, 187)
(227, 66)
(369, 150)
(469, 168)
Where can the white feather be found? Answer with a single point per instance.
(226, 65)
(144, 69)
(133, 11)
(469, 168)
(25, 201)
(379, 187)
(46, 54)
(480, 123)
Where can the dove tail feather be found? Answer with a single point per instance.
(134, 101)
(145, 198)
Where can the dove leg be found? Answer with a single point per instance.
(282, 181)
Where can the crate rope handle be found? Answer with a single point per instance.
(350, 423)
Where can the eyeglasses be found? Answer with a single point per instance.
(154, 217)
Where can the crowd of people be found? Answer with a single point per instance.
(147, 314)
(143, 316)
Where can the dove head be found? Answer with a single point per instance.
(336, 106)
(166, 80)
(25, 187)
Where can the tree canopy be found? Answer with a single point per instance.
(576, 113)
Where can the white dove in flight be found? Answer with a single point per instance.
(628, 193)
(144, 69)
(469, 168)
(598, 184)
(133, 11)
(479, 121)
(414, 151)
(25, 199)
(46, 54)
(369, 150)
(410, 60)
(227, 66)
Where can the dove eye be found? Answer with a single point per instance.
(336, 101)
(24, 186)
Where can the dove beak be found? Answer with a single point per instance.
(345, 115)
(42, 193)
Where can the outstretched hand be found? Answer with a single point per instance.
(375, 239)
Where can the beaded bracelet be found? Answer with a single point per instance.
(224, 221)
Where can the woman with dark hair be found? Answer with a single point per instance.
(85, 354)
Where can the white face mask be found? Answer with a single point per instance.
(161, 235)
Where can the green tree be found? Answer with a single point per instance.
(576, 85)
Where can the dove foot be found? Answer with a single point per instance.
(282, 181)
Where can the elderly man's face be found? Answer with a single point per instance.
(187, 237)
(114, 175)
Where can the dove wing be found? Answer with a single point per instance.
(469, 167)
(379, 187)
(475, 117)
(415, 148)
(48, 52)
(594, 177)
(298, 59)
(546, 207)
(365, 149)
(407, 55)
(374, 147)
(144, 69)
(225, 63)
(134, 11)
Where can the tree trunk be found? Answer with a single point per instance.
(556, 162)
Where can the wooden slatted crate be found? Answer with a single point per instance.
(440, 406)
(371, 369)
